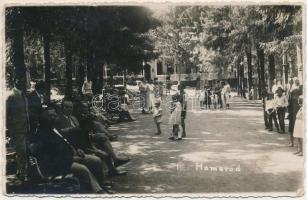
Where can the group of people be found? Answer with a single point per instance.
(150, 92)
(282, 100)
(178, 111)
(215, 97)
(54, 140)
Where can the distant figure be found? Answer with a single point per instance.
(252, 94)
(157, 115)
(276, 85)
(175, 119)
(226, 94)
(87, 89)
(142, 89)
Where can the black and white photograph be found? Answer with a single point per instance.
(154, 98)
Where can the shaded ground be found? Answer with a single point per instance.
(225, 151)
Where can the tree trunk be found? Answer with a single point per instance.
(249, 67)
(125, 77)
(46, 40)
(243, 88)
(238, 77)
(260, 55)
(17, 46)
(100, 78)
(271, 70)
(81, 73)
(68, 74)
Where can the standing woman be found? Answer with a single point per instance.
(298, 131)
(227, 91)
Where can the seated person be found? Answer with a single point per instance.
(113, 105)
(79, 110)
(57, 155)
(79, 135)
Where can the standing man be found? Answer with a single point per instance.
(264, 96)
(280, 104)
(294, 106)
(182, 100)
(218, 91)
(18, 125)
(36, 101)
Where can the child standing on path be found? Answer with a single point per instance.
(280, 104)
(157, 115)
(175, 118)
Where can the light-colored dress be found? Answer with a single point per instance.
(298, 131)
(176, 114)
(157, 115)
(227, 93)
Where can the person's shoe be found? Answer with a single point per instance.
(100, 192)
(107, 190)
(120, 162)
(108, 183)
(159, 133)
(116, 173)
(113, 137)
(179, 139)
(300, 154)
(184, 134)
(270, 129)
(131, 119)
(296, 152)
(171, 138)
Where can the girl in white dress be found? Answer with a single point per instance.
(298, 131)
(175, 118)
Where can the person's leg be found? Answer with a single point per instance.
(183, 126)
(275, 121)
(300, 146)
(265, 117)
(270, 121)
(179, 132)
(21, 154)
(158, 128)
(172, 136)
(85, 176)
(291, 128)
(281, 119)
(95, 165)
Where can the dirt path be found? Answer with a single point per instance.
(225, 151)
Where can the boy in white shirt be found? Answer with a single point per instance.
(280, 104)
(270, 109)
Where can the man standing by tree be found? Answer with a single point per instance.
(18, 125)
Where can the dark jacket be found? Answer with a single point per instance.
(35, 109)
(74, 134)
(294, 107)
(17, 115)
(53, 153)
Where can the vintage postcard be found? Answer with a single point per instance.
(153, 99)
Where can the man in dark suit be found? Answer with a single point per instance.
(57, 156)
(68, 127)
(17, 121)
(294, 107)
(36, 100)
